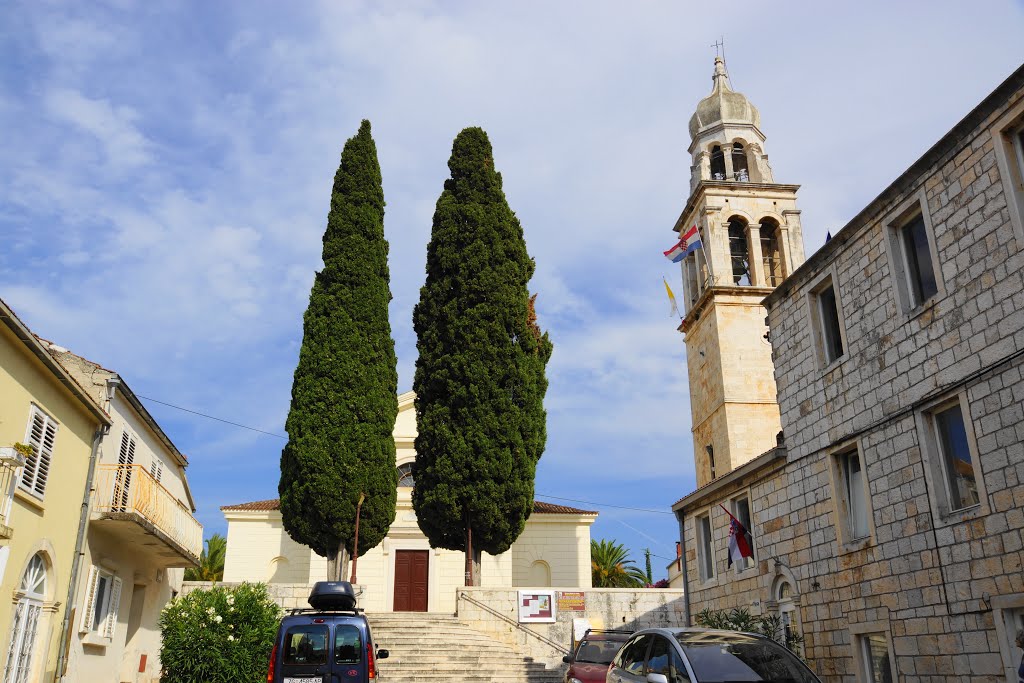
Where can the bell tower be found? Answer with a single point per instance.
(749, 228)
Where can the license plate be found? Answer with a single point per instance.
(304, 679)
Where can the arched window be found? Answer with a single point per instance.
(25, 623)
(787, 606)
(739, 252)
(771, 257)
(717, 163)
(739, 163)
(405, 475)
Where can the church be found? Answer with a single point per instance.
(404, 573)
(856, 414)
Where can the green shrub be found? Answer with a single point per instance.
(218, 635)
(739, 619)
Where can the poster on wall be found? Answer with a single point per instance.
(536, 606)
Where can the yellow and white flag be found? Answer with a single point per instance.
(671, 298)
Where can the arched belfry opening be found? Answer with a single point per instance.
(717, 163)
(739, 252)
(740, 170)
(771, 252)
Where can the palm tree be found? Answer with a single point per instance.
(211, 562)
(611, 568)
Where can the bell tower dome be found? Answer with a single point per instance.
(749, 228)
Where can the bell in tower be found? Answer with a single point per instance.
(749, 229)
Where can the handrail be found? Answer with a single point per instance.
(133, 489)
(547, 641)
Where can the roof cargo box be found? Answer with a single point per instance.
(327, 595)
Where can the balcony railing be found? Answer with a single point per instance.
(10, 462)
(131, 490)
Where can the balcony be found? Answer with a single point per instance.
(129, 503)
(10, 462)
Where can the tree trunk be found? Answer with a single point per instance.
(337, 566)
(472, 561)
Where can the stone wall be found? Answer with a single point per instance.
(495, 611)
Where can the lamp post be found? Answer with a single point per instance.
(355, 545)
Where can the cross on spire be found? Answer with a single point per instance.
(719, 45)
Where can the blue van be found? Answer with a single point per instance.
(330, 643)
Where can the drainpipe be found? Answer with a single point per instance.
(76, 564)
(680, 517)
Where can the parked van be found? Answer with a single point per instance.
(329, 642)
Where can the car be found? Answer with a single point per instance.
(330, 642)
(696, 655)
(589, 662)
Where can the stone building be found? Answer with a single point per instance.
(888, 529)
(404, 573)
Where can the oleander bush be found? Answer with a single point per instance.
(740, 619)
(218, 635)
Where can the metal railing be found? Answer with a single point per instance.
(132, 489)
(10, 462)
(512, 622)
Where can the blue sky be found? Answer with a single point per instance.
(165, 174)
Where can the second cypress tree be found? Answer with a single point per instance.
(344, 394)
(480, 375)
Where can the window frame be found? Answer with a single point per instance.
(100, 620)
(936, 470)
(705, 555)
(1008, 614)
(820, 336)
(843, 503)
(750, 562)
(1008, 143)
(903, 283)
(30, 480)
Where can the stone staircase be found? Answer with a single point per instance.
(427, 647)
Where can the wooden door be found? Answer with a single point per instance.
(411, 580)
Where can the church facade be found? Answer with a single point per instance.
(886, 518)
(404, 573)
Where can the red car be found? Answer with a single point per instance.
(594, 653)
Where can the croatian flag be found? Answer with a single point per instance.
(687, 244)
(739, 546)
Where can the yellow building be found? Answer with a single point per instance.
(45, 496)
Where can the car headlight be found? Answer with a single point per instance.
(575, 680)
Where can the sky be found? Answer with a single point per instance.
(166, 169)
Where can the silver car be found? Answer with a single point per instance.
(693, 655)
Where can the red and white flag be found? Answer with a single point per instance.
(739, 539)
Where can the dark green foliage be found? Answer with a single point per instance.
(740, 619)
(220, 635)
(211, 562)
(344, 399)
(479, 379)
(610, 566)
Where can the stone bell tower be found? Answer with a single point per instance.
(750, 230)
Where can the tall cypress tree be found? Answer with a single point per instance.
(344, 394)
(480, 379)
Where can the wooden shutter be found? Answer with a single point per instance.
(157, 470)
(115, 603)
(42, 434)
(89, 608)
(127, 454)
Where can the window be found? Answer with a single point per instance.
(157, 470)
(348, 644)
(717, 163)
(123, 481)
(739, 163)
(874, 652)
(25, 622)
(771, 257)
(304, 645)
(741, 511)
(705, 549)
(788, 616)
(739, 253)
(912, 254)
(41, 434)
(710, 450)
(1008, 138)
(102, 601)
(632, 655)
(918, 258)
(852, 499)
(405, 478)
(954, 451)
(827, 316)
(663, 659)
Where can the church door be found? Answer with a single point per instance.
(411, 580)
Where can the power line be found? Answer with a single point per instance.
(211, 417)
(607, 505)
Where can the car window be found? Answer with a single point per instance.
(348, 644)
(305, 644)
(631, 657)
(596, 651)
(739, 657)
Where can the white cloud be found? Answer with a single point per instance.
(114, 127)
